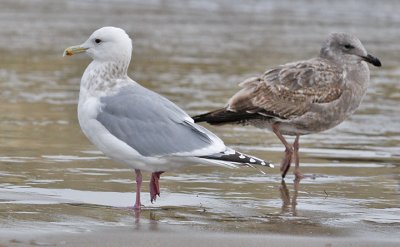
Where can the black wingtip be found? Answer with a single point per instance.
(206, 117)
(198, 118)
(218, 117)
(233, 156)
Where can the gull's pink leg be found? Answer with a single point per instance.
(138, 187)
(154, 186)
(287, 160)
(296, 146)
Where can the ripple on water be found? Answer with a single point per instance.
(70, 158)
(326, 153)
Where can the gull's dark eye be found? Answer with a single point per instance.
(348, 46)
(98, 41)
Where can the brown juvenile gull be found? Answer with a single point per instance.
(136, 126)
(303, 97)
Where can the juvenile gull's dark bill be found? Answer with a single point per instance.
(303, 97)
(136, 126)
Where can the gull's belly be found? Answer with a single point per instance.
(308, 124)
(322, 117)
(319, 118)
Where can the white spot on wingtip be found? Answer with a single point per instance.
(229, 152)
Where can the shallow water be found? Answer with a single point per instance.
(195, 53)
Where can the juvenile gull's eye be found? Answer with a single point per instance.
(348, 46)
(97, 41)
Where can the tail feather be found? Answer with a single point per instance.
(236, 157)
(209, 116)
(223, 116)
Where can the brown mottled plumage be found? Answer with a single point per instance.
(302, 97)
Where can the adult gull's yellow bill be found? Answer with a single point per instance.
(136, 126)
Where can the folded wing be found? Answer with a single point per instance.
(284, 92)
(154, 126)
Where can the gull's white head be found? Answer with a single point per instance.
(104, 45)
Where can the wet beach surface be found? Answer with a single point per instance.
(195, 53)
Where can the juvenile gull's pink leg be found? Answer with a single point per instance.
(296, 146)
(287, 160)
(154, 186)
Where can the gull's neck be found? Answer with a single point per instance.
(102, 77)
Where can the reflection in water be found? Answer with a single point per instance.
(195, 53)
(289, 204)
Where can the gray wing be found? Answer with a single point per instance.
(151, 124)
(289, 90)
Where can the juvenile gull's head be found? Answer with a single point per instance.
(345, 48)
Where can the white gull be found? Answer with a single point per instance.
(136, 126)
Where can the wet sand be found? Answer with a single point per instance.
(185, 237)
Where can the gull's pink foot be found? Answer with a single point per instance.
(137, 207)
(154, 186)
(298, 175)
